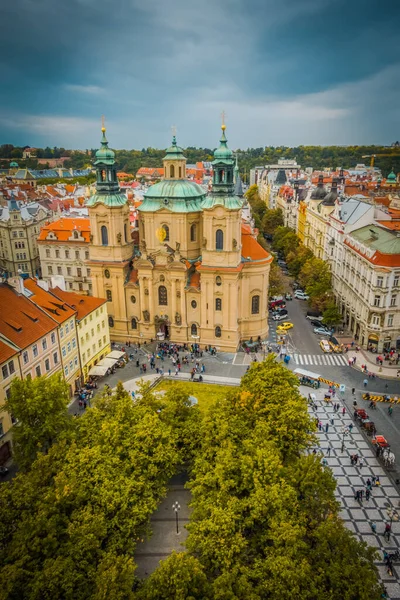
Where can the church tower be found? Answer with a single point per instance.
(111, 247)
(222, 212)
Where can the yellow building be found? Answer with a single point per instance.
(200, 275)
(301, 220)
(92, 327)
(9, 368)
(320, 206)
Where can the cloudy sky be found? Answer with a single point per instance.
(286, 72)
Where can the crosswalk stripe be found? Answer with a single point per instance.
(319, 359)
(337, 361)
(310, 359)
(295, 358)
(301, 359)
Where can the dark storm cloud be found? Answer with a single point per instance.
(286, 71)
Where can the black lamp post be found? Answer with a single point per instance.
(176, 507)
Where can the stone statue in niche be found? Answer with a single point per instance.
(204, 242)
(178, 319)
(119, 238)
(178, 246)
(91, 238)
(146, 316)
(146, 291)
(234, 243)
(178, 294)
(142, 246)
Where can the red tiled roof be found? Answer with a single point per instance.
(378, 258)
(83, 305)
(252, 249)
(21, 321)
(59, 311)
(63, 229)
(6, 352)
(393, 225)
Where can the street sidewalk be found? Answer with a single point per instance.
(364, 358)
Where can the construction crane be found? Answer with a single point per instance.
(373, 156)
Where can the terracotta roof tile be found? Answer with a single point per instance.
(83, 305)
(251, 248)
(21, 321)
(63, 229)
(6, 352)
(56, 309)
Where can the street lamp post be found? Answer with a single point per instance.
(176, 507)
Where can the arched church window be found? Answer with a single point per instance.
(162, 296)
(104, 235)
(229, 176)
(180, 172)
(110, 178)
(255, 305)
(193, 329)
(133, 323)
(172, 171)
(110, 322)
(166, 229)
(218, 280)
(126, 233)
(219, 239)
(221, 175)
(193, 232)
(218, 331)
(218, 304)
(76, 235)
(103, 175)
(109, 295)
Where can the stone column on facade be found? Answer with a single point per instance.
(183, 300)
(151, 301)
(173, 300)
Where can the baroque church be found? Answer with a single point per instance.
(198, 275)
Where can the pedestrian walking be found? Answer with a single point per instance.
(320, 425)
(326, 427)
(365, 382)
(353, 391)
(387, 531)
(367, 494)
(361, 463)
(332, 421)
(373, 527)
(343, 411)
(369, 485)
(176, 371)
(169, 372)
(351, 427)
(328, 452)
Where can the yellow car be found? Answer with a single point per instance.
(284, 326)
(325, 346)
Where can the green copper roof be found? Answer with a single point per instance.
(14, 165)
(174, 152)
(104, 155)
(223, 152)
(111, 200)
(378, 238)
(176, 195)
(229, 202)
(174, 189)
(391, 178)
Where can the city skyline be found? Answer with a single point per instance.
(286, 73)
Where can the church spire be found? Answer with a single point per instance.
(223, 167)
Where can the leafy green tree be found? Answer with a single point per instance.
(272, 219)
(40, 407)
(285, 240)
(331, 314)
(297, 259)
(276, 286)
(180, 576)
(315, 277)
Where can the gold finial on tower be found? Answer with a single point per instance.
(223, 126)
(103, 126)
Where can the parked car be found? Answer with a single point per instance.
(288, 297)
(285, 326)
(322, 331)
(281, 263)
(280, 316)
(301, 295)
(3, 471)
(325, 346)
(315, 323)
(277, 302)
(313, 314)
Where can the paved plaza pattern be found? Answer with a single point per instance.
(350, 478)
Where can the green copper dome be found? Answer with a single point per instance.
(223, 152)
(174, 152)
(175, 195)
(391, 178)
(104, 155)
(111, 200)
